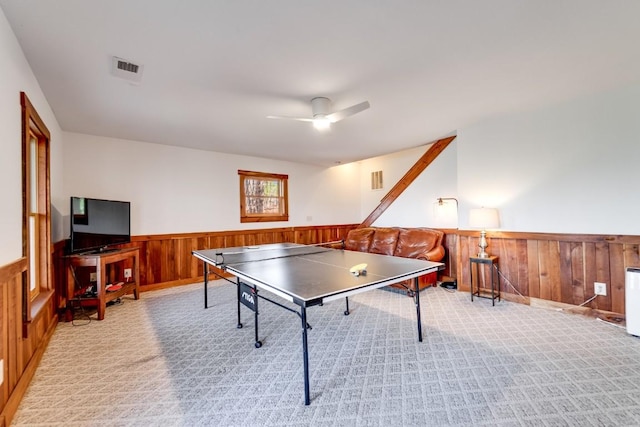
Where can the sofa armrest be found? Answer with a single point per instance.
(436, 254)
(420, 243)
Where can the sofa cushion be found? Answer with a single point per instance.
(417, 242)
(384, 241)
(359, 239)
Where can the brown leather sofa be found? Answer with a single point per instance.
(420, 243)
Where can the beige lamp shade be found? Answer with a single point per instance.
(484, 218)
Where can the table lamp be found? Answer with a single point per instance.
(483, 218)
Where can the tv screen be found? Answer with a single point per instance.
(97, 224)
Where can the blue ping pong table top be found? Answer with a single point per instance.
(309, 275)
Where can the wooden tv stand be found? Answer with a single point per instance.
(109, 268)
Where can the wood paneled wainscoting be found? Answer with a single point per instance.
(23, 343)
(535, 268)
(551, 269)
(166, 260)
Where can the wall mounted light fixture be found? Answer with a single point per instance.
(445, 210)
(441, 200)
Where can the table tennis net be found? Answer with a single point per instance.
(251, 254)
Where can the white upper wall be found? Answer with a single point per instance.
(572, 168)
(566, 169)
(569, 168)
(179, 190)
(416, 205)
(15, 77)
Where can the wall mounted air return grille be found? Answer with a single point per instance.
(376, 180)
(126, 69)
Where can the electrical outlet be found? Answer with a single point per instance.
(127, 273)
(600, 288)
(93, 277)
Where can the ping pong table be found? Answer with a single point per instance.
(308, 276)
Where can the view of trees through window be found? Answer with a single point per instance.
(263, 197)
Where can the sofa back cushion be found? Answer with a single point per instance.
(359, 239)
(413, 242)
(384, 241)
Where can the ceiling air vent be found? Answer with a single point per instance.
(128, 66)
(126, 69)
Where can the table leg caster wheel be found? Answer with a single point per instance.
(239, 326)
(346, 312)
(258, 344)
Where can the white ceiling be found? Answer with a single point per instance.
(213, 70)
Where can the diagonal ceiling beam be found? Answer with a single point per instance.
(432, 153)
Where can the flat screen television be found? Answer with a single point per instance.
(98, 224)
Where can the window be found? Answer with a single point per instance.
(36, 245)
(263, 197)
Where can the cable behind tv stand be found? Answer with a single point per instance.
(109, 268)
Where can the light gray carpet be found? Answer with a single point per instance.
(166, 361)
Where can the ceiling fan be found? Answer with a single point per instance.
(322, 117)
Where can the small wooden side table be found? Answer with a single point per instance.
(492, 262)
(100, 262)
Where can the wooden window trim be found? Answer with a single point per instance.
(283, 215)
(33, 126)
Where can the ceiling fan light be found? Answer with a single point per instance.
(321, 123)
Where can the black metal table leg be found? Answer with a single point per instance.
(239, 324)
(493, 292)
(498, 273)
(305, 355)
(206, 280)
(346, 312)
(417, 300)
(471, 275)
(258, 343)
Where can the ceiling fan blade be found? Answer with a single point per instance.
(300, 119)
(350, 111)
